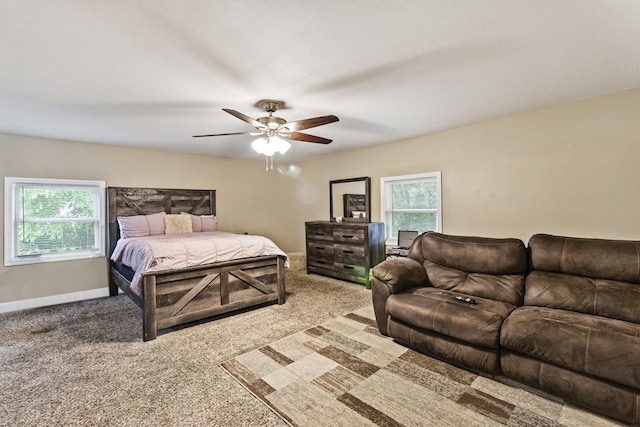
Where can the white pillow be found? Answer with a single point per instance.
(176, 224)
(141, 225)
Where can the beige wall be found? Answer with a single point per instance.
(569, 170)
(242, 190)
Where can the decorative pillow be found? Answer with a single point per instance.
(141, 225)
(176, 224)
(203, 222)
(196, 222)
(209, 223)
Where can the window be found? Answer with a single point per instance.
(410, 202)
(53, 220)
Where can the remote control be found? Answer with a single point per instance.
(465, 299)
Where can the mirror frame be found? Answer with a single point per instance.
(367, 201)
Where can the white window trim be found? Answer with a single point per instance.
(11, 229)
(385, 201)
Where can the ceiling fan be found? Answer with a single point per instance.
(272, 128)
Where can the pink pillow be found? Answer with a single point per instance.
(141, 225)
(203, 222)
(209, 223)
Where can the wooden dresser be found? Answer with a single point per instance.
(346, 250)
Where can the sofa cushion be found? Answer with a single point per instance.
(617, 260)
(472, 254)
(507, 288)
(595, 345)
(484, 267)
(592, 276)
(607, 298)
(437, 310)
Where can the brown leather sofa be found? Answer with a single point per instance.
(562, 315)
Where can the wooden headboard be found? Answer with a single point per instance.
(128, 201)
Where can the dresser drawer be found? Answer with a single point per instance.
(320, 262)
(349, 235)
(349, 254)
(349, 269)
(320, 249)
(320, 232)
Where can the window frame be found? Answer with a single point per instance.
(12, 186)
(386, 210)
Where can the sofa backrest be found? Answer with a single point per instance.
(593, 276)
(484, 267)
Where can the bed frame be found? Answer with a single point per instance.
(176, 297)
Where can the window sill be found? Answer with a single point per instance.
(39, 259)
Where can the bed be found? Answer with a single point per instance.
(178, 296)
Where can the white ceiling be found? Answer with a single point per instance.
(151, 73)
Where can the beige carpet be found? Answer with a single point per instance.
(85, 364)
(344, 373)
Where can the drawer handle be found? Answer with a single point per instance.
(347, 252)
(349, 267)
(318, 234)
(321, 262)
(347, 236)
(320, 248)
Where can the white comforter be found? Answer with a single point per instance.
(175, 251)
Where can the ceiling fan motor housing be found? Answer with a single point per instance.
(270, 105)
(272, 122)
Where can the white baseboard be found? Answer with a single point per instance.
(6, 307)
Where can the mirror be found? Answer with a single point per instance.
(349, 200)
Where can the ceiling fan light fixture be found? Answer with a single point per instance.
(262, 146)
(279, 144)
(270, 146)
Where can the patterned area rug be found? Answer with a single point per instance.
(344, 372)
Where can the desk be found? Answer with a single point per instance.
(396, 253)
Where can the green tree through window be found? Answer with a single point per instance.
(411, 202)
(55, 220)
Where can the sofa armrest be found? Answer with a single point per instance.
(391, 277)
(399, 274)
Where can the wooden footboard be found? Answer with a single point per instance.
(176, 297)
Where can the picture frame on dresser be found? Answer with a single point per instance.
(354, 205)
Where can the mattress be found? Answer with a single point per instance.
(177, 251)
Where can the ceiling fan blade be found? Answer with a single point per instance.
(310, 123)
(224, 134)
(299, 136)
(244, 118)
